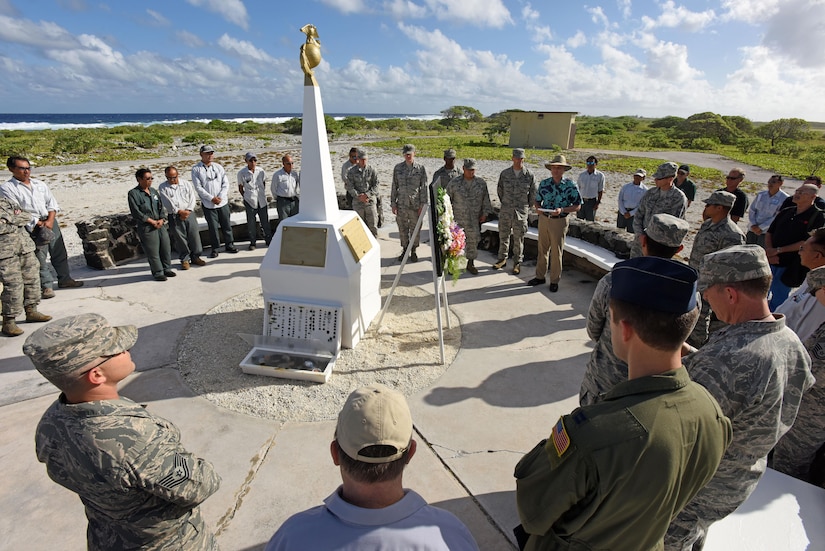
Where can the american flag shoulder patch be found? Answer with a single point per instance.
(180, 473)
(560, 439)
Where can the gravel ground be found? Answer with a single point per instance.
(403, 354)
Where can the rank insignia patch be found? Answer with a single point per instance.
(178, 475)
(560, 439)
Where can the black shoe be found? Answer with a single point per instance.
(535, 281)
(213, 254)
(169, 273)
(400, 257)
(232, 250)
(413, 257)
(251, 247)
(159, 277)
(554, 287)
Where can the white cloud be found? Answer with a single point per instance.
(242, 48)
(674, 16)
(795, 32)
(405, 9)
(598, 16)
(668, 61)
(577, 40)
(43, 34)
(625, 8)
(479, 13)
(233, 11)
(190, 39)
(157, 18)
(750, 11)
(346, 6)
(540, 33)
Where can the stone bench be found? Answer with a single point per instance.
(584, 246)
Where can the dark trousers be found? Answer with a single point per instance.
(287, 206)
(186, 236)
(56, 249)
(155, 243)
(588, 210)
(252, 225)
(214, 218)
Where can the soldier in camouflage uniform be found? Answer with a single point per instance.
(362, 186)
(717, 232)
(447, 172)
(141, 489)
(795, 452)
(757, 370)
(408, 197)
(516, 191)
(19, 269)
(662, 238)
(664, 198)
(471, 205)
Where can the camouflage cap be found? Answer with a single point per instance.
(734, 264)
(361, 153)
(449, 153)
(667, 229)
(665, 170)
(816, 279)
(518, 153)
(67, 344)
(655, 283)
(470, 164)
(374, 415)
(724, 198)
(408, 148)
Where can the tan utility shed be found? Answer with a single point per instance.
(542, 129)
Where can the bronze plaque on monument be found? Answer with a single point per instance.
(356, 238)
(304, 246)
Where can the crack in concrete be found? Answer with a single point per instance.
(103, 295)
(464, 453)
(255, 464)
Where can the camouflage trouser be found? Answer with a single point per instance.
(406, 220)
(472, 231)
(368, 214)
(20, 275)
(511, 222)
(636, 247)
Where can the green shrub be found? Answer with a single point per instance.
(76, 141)
(293, 126)
(197, 137)
(704, 144)
(25, 146)
(148, 140)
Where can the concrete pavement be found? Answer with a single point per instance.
(521, 361)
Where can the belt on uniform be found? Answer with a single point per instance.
(287, 198)
(563, 215)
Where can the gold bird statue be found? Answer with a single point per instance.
(310, 54)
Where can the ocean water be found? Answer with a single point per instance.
(56, 121)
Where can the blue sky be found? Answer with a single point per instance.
(621, 57)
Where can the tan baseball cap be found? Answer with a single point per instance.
(374, 415)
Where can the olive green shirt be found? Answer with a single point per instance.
(612, 475)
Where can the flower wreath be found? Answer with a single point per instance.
(450, 236)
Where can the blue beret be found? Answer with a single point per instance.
(655, 283)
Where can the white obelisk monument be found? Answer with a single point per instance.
(323, 255)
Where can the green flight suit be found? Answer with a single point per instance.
(613, 475)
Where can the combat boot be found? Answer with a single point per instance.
(33, 316)
(10, 327)
(472, 268)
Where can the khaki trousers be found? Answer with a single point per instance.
(551, 240)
